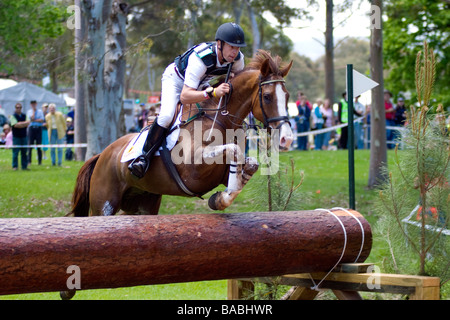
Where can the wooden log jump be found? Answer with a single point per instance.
(124, 251)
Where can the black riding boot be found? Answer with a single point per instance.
(140, 165)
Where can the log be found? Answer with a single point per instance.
(124, 251)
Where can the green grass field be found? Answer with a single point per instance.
(45, 191)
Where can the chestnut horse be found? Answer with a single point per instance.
(104, 184)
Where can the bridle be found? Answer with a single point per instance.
(267, 121)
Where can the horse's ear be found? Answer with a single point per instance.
(285, 71)
(265, 68)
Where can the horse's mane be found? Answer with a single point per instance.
(259, 58)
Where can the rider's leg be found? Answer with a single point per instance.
(140, 165)
(170, 95)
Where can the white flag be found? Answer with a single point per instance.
(361, 83)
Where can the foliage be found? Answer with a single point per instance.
(408, 24)
(420, 179)
(25, 25)
(180, 24)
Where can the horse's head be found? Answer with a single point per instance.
(270, 107)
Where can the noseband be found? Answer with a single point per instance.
(268, 121)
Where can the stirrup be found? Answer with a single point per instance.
(139, 166)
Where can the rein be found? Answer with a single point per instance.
(223, 109)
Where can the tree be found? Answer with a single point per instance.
(105, 69)
(25, 25)
(305, 77)
(378, 149)
(329, 52)
(420, 180)
(408, 23)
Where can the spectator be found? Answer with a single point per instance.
(56, 131)
(299, 99)
(3, 118)
(70, 133)
(142, 116)
(400, 112)
(19, 123)
(44, 131)
(400, 118)
(359, 111)
(6, 136)
(153, 112)
(390, 118)
(343, 118)
(35, 130)
(303, 122)
(71, 114)
(329, 121)
(318, 122)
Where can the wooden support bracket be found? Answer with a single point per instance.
(347, 281)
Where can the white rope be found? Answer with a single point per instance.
(63, 145)
(362, 231)
(316, 286)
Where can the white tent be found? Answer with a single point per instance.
(6, 83)
(24, 92)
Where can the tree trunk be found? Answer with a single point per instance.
(255, 30)
(238, 8)
(115, 67)
(378, 150)
(80, 82)
(106, 69)
(329, 53)
(38, 255)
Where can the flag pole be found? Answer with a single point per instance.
(351, 138)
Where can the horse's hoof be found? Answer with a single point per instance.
(67, 295)
(212, 201)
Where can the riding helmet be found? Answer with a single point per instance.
(232, 34)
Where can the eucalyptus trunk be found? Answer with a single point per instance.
(378, 150)
(329, 53)
(105, 69)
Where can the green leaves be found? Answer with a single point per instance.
(25, 24)
(408, 24)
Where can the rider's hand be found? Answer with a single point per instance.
(222, 90)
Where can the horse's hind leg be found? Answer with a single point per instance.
(222, 200)
(106, 197)
(106, 204)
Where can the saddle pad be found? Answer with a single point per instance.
(134, 148)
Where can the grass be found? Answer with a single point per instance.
(45, 191)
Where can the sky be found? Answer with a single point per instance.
(307, 34)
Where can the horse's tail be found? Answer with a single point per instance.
(80, 198)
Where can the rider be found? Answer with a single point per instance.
(181, 80)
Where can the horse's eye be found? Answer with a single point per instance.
(267, 98)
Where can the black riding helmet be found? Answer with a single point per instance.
(232, 34)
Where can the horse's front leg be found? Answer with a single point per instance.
(238, 176)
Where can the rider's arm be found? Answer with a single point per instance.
(190, 95)
(195, 71)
